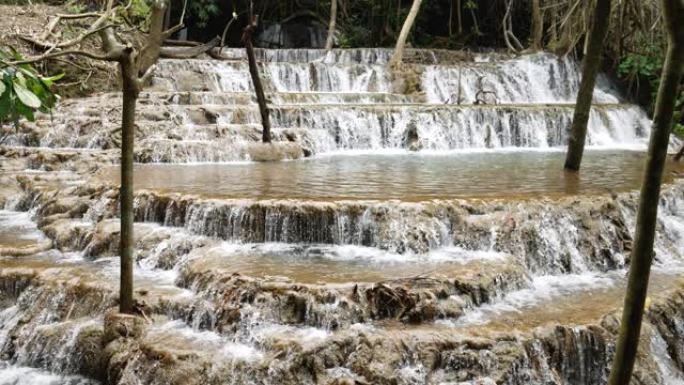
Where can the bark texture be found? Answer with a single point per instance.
(398, 55)
(331, 27)
(537, 25)
(256, 79)
(642, 252)
(126, 245)
(590, 67)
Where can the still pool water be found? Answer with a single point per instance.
(408, 177)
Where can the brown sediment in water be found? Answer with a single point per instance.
(514, 176)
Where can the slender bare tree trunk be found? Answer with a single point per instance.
(127, 241)
(537, 25)
(331, 27)
(642, 252)
(451, 18)
(398, 55)
(590, 68)
(459, 17)
(256, 80)
(679, 154)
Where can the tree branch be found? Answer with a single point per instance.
(50, 46)
(166, 34)
(106, 57)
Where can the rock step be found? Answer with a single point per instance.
(335, 127)
(214, 111)
(388, 346)
(242, 97)
(274, 98)
(365, 55)
(538, 78)
(550, 227)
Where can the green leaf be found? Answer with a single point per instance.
(19, 78)
(27, 97)
(49, 81)
(5, 105)
(26, 112)
(2, 88)
(28, 71)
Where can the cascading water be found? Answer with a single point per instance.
(344, 101)
(470, 259)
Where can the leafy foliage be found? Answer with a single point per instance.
(203, 10)
(639, 67)
(23, 91)
(139, 13)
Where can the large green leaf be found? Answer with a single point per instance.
(27, 97)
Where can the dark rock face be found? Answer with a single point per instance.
(298, 33)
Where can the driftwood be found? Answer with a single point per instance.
(189, 52)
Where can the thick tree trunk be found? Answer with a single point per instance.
(590, 68)
(331, 27)
(398, 55)
(127, 241)
(537, 25)
(642, 252)
(256, 80)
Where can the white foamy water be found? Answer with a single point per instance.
(18, 375)
(542, 289)
(18, 229)
(351, 253)
(671, 374)
(204, 340)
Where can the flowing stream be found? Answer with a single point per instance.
(425, 237)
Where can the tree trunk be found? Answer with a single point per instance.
(537, 25)
(679, 154)
(331, 27)
(451, 18)
(149, 54)
(398, 55)
(256, 80)
(459, 17)
(590, 68)
(126, 245)
(642, 252)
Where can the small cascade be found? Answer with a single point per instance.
(345, 100)
(430, 238)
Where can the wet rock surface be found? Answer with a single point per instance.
(287, 291)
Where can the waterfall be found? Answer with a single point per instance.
(430, 237)
(204, 110)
